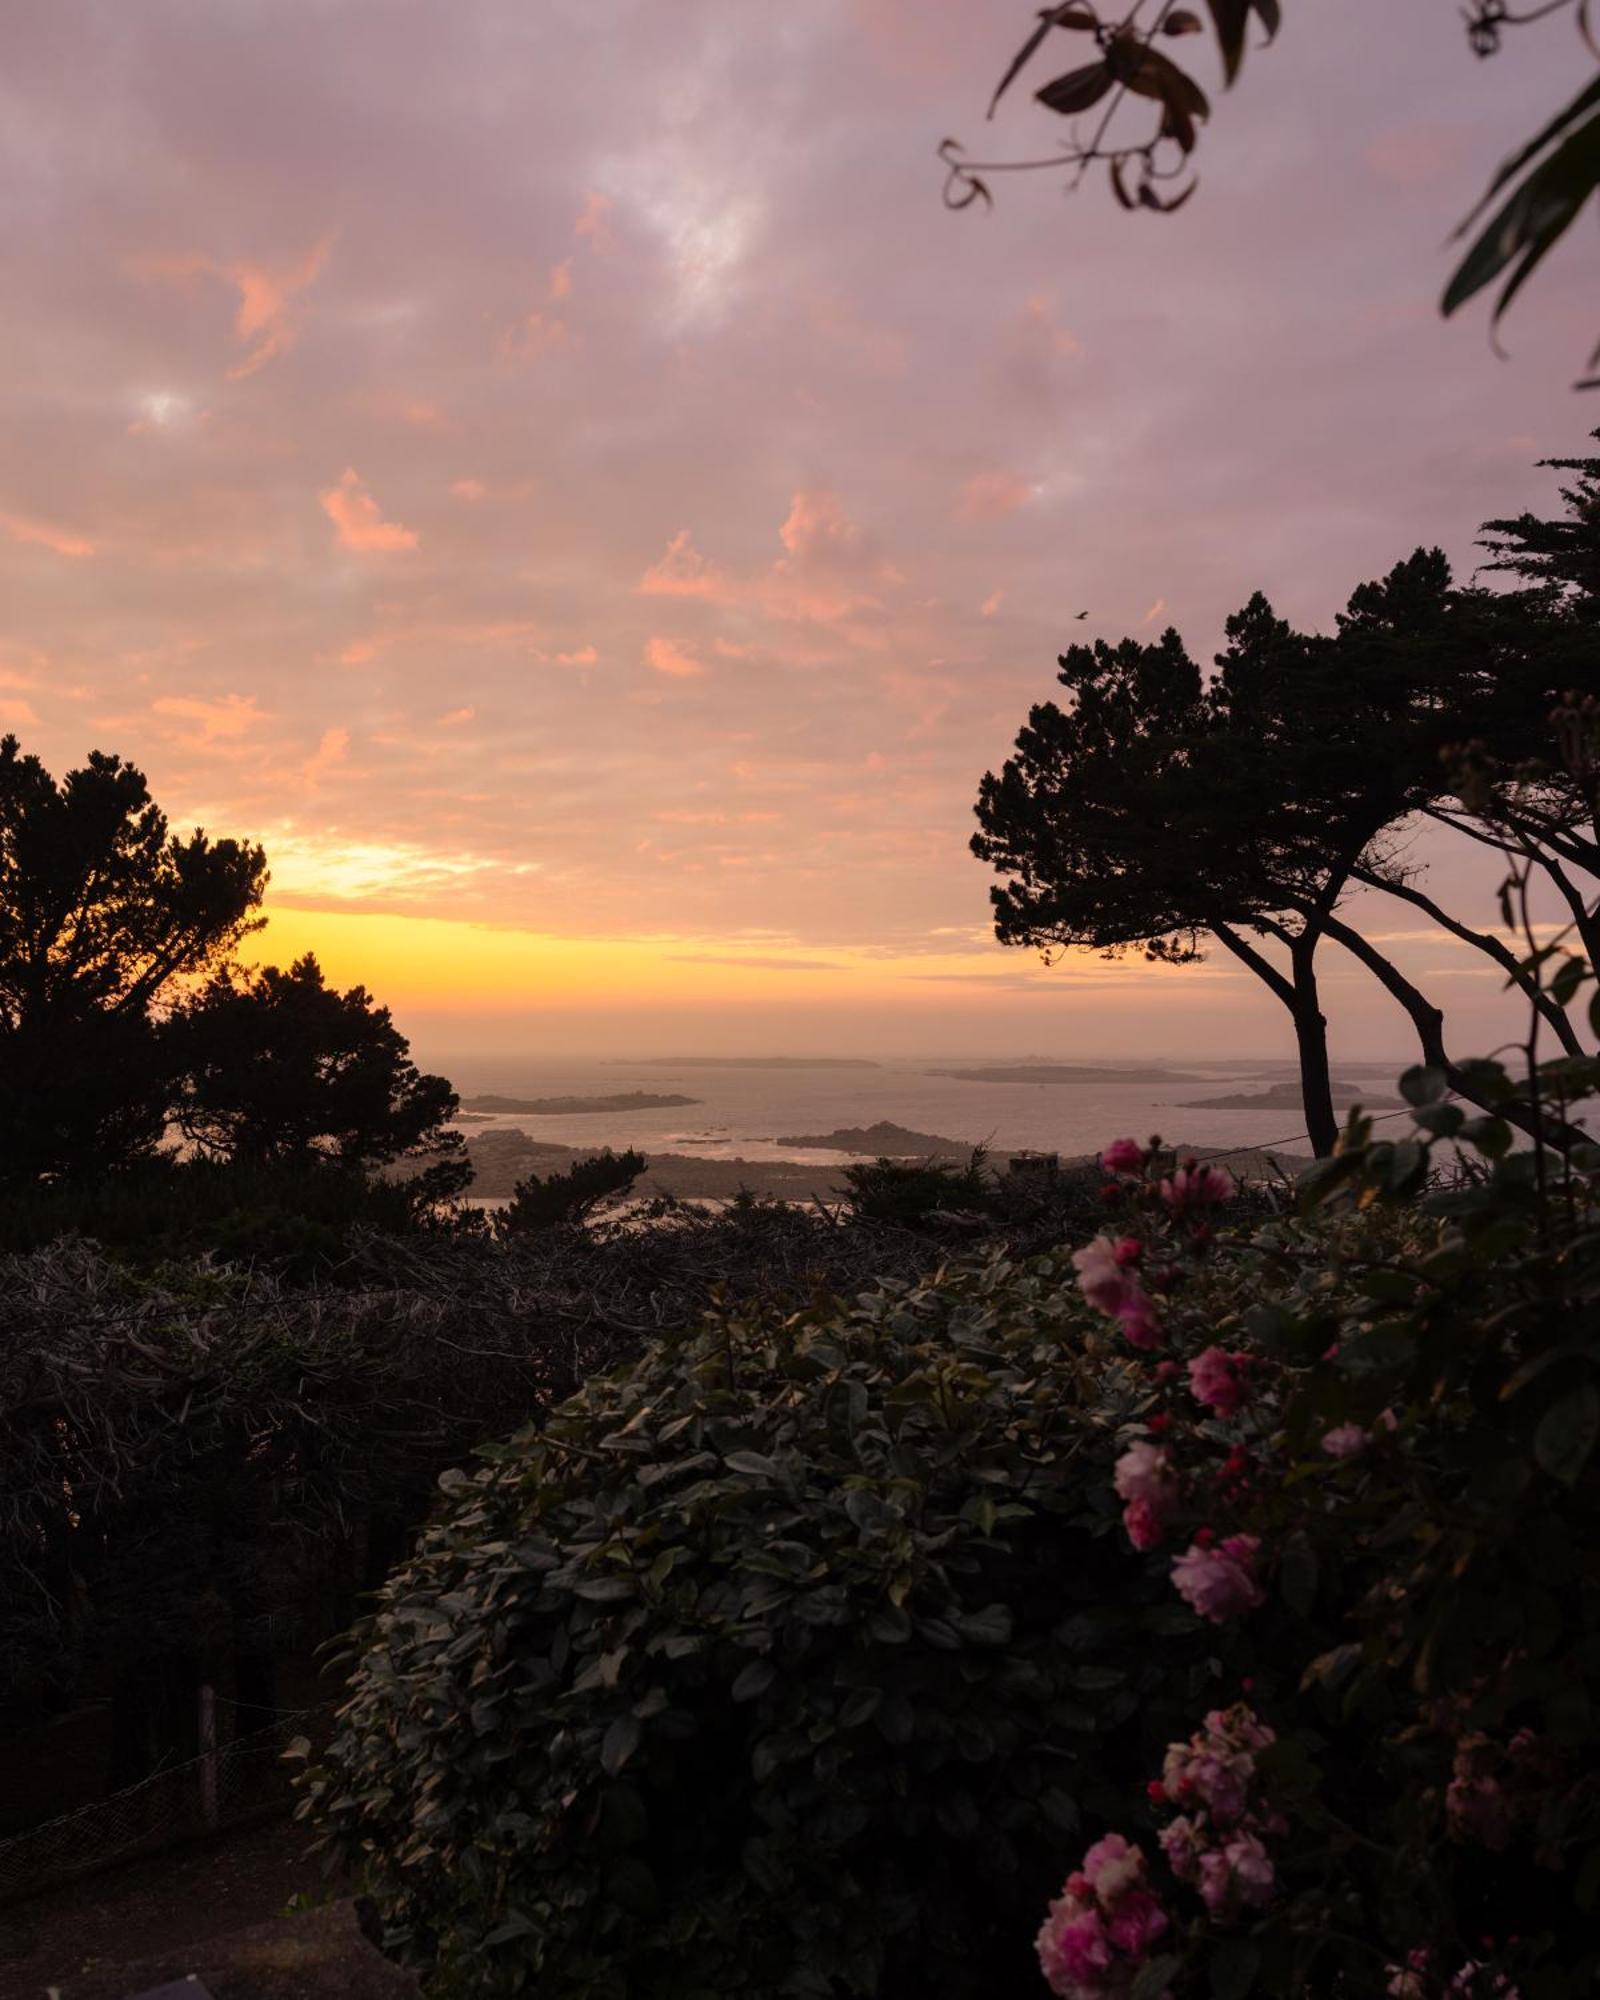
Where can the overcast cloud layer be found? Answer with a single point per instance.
(556, 463)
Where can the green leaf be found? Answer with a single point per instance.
(1155, 1978)
(754, 1681)
(989, 1627)
(1567, 1434)
(619, 1744)
(1059, 17)
(1231, 19)
(1568, 979)
(1234, 1965)
(1532, 221)
(1442, 1120)
(1077, 90)
(755, 1463)
(605, 1589)
(516, 1925)
(1423, 1084)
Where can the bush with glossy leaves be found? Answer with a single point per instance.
(779, 1663)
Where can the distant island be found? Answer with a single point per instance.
(741, 1062)
(1067, 1073)
(884, 1141)
(502, 1157)
(545, 1107)
(1286, 1097)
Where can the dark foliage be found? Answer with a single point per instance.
(1151, 812)
(919, 1194)
(780, 1662)
(102, 910)
(566, 1199)
(279, 1069)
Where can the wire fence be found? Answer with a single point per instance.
(241, 1780)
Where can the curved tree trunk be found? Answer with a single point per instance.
(1299, 994)
(1428, 1021)
(1492, 947)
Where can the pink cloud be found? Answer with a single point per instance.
(534, 335)
(455, 716)
(222, 720)
(668, 658)
(1414, 155)
(561, 279)
(817, 525)
(1037, 344)
(684, 572)
(468, 489)
(1155, 611)
(60, 541)
(357, 519)
(593, 225)
(266, 319)
(584, 656)
(330, 750)
(876, 349)
(991, 496)
(992, 603)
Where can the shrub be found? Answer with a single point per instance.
(782, 1662)
(1370, 1463)
(913, 1194)
(569, 1197)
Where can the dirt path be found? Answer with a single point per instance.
(185, 1894)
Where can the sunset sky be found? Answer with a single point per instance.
(553, 471)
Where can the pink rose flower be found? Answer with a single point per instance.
(1074, 1951)
(1215, 1380)
(1197, 1187)
(1113, 1288)
(1100, 1929)
(1345, 1441)
(1101, 1279)
(1137, 1318)
(1220, 1583)
(1144, 1472)
(1112, 1867)
(1216, 1882)
(1136, 1923)
(1145, 1523)
(1123, 1156)
(1180, 1843)
(1254, 1877)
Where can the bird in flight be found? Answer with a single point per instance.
(1083, 614)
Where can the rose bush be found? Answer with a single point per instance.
(1367, 1458)
(1254, 1562)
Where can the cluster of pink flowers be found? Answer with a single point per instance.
(1148, 1488)
(1124, 1156)
(1346, 1441)
(1197, 1187)
(1416, 1980)
(1217, 1379)
(1216, 1843)
(1218, 1578)
(1100, 1930)
(1108, 1277)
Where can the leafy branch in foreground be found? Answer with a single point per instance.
(1533, 199)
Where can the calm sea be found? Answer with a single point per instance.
(745, 1111)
